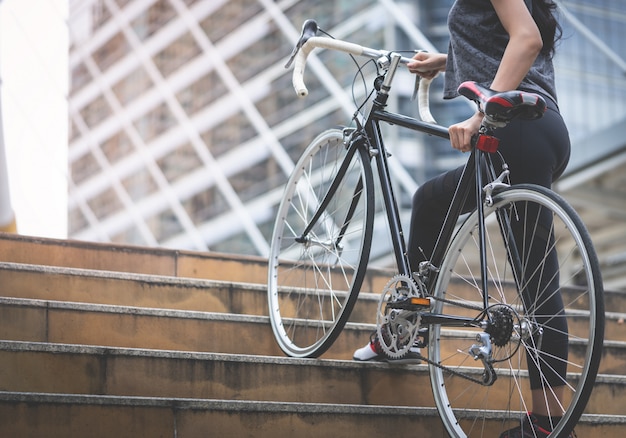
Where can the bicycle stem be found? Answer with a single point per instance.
(385, 87)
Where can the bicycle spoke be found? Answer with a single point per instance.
(529, 249)
(320, 246)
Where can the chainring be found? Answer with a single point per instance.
(397, 329)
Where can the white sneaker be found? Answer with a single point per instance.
(371, 351)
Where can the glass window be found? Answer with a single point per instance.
(257, 180)
(281, 102)
(95, 112)
(179, 163)
(84, 168)
(80, 77)
(139, 185)
(164, 225)
(238, 244)
(154, 123)
(76, 221)
(132, 85)
(105, 204)
(228, 134)
(176, 54)
(111, 51)
(205, 205)
(122, 3)
(153, 19)
(296, 142)
(327, 14)
(100, 14)
(130, 236)
(228, 18)
(201, 93)
(261, 54)
(73, 132)
(117, 147)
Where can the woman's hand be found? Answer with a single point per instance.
(428, 65)
(461, 133)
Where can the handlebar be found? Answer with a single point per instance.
(309, 41)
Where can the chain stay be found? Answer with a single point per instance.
(489, 376)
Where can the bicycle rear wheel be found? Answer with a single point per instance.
(320, 246)
(540, 258)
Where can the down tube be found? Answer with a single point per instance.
(461, 192)
(393, 216)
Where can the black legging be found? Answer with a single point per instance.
(537, 152)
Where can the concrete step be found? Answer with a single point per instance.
(151, 261)
(133, 327)
(85, 369)
(140, 290)
(130, 289)
(130, 341)
(175, 263)
(133, 259)
(112, 416)
(31, 414)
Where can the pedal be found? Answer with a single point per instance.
(414, 304)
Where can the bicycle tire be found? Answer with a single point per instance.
(313, 283)
(475, 410)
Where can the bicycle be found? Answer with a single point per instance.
(475, 305)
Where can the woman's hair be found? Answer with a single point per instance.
(551, 31)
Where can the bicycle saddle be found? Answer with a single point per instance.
(504, 106)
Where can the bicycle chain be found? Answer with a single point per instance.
(454, 372)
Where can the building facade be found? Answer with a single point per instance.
(184, 125)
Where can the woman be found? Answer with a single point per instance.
(504, 45)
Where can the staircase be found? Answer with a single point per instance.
(115, 341)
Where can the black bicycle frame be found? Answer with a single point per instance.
(456, 206)
(471, 177)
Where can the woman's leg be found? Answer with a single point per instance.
(430, 205)
(536, 152)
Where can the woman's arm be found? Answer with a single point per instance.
(524, 45)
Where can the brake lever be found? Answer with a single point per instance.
(309, 30)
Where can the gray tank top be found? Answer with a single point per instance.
(477, 43)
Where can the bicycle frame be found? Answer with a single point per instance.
(478, 164)
(471, 177)
(393, 217)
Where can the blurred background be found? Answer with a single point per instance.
(173, 123)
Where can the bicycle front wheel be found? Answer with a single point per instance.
(320, 246)
(546, 316)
